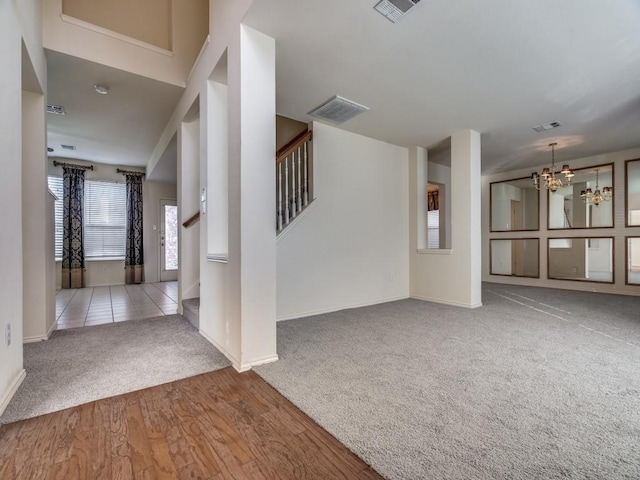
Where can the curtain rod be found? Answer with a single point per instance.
(72, 165)
(129, 172)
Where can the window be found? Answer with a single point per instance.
(55, 185)
(433, 229)
(105, 218)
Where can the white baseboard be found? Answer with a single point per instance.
(52, 328)
(239, 366)
(342, 307)
(40, 338)
(254, 363)
(446, 302)
(234, 362)
(11, 391)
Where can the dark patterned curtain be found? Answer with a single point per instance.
(134, 256)
(73, 235)
(433, 201)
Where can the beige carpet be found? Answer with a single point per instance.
(85, 364)
(536, 384)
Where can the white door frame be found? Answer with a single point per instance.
(165, 275)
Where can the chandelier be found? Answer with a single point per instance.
(548, 178)
(597, 197)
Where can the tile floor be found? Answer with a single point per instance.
(97, 305)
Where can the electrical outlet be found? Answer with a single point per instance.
(7, 335)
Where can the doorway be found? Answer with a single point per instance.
(168, 240)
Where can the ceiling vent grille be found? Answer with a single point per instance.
(338, 110)
(394, 10)
(547, 126)
(68, 147)
(56, 109)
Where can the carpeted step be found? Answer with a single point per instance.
(191, 311)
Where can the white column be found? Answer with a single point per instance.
(466, 199)
(258, 232)
(451, 276)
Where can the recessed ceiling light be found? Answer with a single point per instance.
(68, 147)
(101, 89)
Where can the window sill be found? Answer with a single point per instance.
(104, 259)
(434, 251)
(101, 259)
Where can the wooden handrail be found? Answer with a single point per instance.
(293, 145)
(193, 219)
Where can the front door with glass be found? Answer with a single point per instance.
(168, 240)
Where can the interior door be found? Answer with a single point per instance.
(168, 240)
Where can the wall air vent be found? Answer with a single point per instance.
(547, 126)
(394, 10)
(338, 110)
(68, 147)
(56, 109)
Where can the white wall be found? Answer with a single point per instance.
(351, 248)
(619, 231)
(188, 205)
(37, 312)
(19, 21)
(64, 34)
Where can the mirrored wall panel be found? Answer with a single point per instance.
(517, 258)
(584, 259)
(632, 174)
(633, 260)
(514, 205)
(586, 203)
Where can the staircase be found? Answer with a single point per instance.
(294, 186)
(191, 311)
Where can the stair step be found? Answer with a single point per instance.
(191, 311)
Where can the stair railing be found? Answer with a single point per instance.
(293, 179)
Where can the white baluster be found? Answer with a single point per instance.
(294, 204)
(280, 196)
(299, 197)
(306, 175)
(286, 191)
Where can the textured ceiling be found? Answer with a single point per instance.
(499, 67)
(120, 128)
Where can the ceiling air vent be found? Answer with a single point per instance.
(547, 126)
(394, 10)
(68, 147)
(56, 109)
(338, 110)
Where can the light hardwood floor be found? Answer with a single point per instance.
(219, 425)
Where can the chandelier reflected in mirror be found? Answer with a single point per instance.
(549, 178)
(597, 197)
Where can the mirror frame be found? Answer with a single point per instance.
(491, 211)
(626, 194)
(613, 202)
(512, 275)
(626, 260)
(613, 260)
